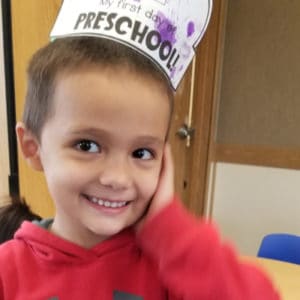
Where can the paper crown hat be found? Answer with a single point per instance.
(166, 31)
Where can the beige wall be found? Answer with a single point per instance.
(4, 158)
(251, 201)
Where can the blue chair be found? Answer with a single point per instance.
(281, 246)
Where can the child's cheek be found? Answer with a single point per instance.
(65, 174)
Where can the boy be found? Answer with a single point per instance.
(96, 122)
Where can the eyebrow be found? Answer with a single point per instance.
(149, 139)
(88, 130)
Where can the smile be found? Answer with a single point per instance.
(106, 203)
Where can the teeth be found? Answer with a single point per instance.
(114, 204)
(94, 200)
(107, 203)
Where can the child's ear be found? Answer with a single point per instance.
(29, 146)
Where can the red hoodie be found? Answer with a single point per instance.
(174, 257)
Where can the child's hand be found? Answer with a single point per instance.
(165, 187)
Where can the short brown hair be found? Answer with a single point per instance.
(68, 54)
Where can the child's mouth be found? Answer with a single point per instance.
(106, 203)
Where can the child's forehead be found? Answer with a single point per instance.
(113, 102)
(91, 78)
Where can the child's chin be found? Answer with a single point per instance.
(106, 234)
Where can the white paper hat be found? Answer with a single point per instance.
(166, 31)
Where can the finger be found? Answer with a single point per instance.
(166, 184)
(168, 166)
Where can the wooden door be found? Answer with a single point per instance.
(31, 24)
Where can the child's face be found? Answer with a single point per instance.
(101, 151)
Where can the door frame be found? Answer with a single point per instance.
(13, 177)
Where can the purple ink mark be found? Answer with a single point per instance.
(165, 27)
(163, 2)
(172, 73)
(190, 29)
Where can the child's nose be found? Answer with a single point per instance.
(116, 174)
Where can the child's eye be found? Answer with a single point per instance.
(142, 154)
(88, 146)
